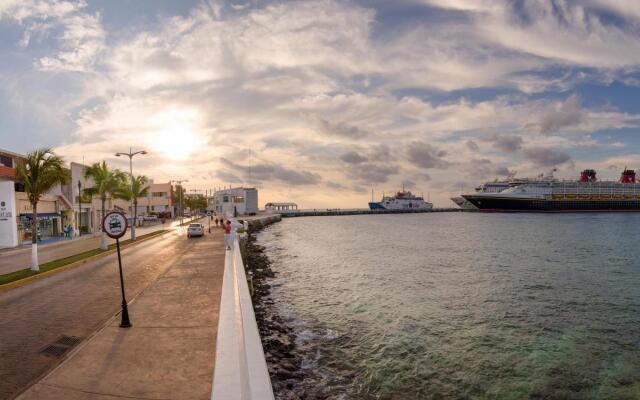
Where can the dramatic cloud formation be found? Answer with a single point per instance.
(507, 143)
(312, 98)
(426, 156)
(546, 157)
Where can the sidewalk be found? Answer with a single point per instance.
(169, 352)
(15, 259)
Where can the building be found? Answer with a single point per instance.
(241, 201)
(158, 201)
(54, 208)
(280, 207)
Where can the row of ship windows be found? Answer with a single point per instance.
(602, 196)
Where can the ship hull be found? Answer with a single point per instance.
(505, 204)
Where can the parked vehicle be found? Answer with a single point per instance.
(195, 230)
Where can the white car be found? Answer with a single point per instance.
(195, 230)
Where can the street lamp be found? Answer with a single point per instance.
(79, 207)
(130, 154)
(180, 197)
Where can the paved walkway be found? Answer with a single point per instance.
(20, 258)
(167, 354)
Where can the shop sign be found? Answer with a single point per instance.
(5, 213)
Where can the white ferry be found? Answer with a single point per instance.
(403, 200)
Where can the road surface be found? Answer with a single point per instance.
(20, 258)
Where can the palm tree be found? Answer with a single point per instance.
(139, 188)
(106, 184)
(39, 173)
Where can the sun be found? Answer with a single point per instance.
(174, 135)
(176, 143)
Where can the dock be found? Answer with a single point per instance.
(358, 211)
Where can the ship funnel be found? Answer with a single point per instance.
(588, 175)
(628, 176)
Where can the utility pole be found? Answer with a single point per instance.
(131, 154)
(79, 207)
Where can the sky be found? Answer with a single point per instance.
(321, 102)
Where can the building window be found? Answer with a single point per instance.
(6, 161)
(225, 199)
(238, 199)
(159, 194)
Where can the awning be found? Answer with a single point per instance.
(40, 216)
(65, 202)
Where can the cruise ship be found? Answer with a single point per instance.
(487, 187)
(404, 200)
(547, 194)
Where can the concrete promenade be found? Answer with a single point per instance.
(167, 354)
(20, 258)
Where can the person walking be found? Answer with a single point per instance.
(228, 237)
(216, 221)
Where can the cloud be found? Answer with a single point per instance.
(341, 129)
(353, 157)
(408, 184)
(472, 145)
(369, 173)
(506, 143)
(426, 156)
(563, 115)
(274, 173)
(546, 156)
(80, 35)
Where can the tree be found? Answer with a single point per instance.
(139, 188)
(39, 173)
(106, 184)
(176, 197)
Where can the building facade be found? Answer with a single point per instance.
(54, 207)
(158, 201)
(240, 201)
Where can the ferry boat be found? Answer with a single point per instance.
(404, 200)
(547, 194)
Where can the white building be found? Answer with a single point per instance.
(280, 207)
(243, 201)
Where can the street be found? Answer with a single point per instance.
(76, 302)
(20, 258)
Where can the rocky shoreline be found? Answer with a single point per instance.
(278, 337)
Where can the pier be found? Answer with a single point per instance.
(358, 211)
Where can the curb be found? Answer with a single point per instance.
(24, 281)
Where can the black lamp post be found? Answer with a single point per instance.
(79, 208)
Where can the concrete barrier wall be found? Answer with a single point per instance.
(240, 369)
(256, 224)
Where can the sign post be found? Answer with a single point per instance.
(210, 217)
(114, 224)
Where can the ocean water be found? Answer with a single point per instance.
(462, 305)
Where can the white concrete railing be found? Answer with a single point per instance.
(240, 368)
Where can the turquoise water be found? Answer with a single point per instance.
(463, 305)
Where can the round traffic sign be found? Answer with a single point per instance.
(208, 213)
(114, 224)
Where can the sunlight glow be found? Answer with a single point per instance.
(176, 135)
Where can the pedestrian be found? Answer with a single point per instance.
(228, 236)
(216, 221)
